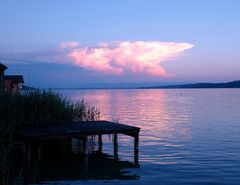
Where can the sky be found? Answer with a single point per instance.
(93, 43)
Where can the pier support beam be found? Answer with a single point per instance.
(36, 156)
(85, 146)
(115, 145)
(136, 151)
(23, 163)
(27, 165)
(85, 152)
(100, 143)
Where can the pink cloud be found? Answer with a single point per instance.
(126, 57)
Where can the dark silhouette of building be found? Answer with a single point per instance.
(11, 83)
(2, 69)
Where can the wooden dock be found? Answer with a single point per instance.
(78, 130)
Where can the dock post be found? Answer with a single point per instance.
(38, 161)
(85, 152)
(100, 143)
(115, 145)
(27, 166)
(136, 144)
(85, 145)
(23, 161)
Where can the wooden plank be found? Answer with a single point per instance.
(76, 129)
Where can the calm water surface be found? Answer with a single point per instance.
(189, 136)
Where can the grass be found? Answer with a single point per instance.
(34, 107)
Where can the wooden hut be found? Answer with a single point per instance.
(13, 83)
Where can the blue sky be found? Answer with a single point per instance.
(32, 33)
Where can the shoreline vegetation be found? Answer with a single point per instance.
(32, 108)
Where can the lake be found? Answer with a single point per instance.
(188, 136)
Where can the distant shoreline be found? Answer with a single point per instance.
(231, 85)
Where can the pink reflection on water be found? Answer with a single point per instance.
(152, 110)
(164, 117)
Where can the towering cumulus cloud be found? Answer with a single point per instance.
(126, 57)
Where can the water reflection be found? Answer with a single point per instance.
(99, 166)
(163, 118)
(188, 136)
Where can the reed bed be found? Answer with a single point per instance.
(34, 107)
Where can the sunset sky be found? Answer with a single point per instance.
(73, 43)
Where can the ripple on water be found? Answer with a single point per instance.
(187, 136)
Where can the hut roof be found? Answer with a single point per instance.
(2, 67)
